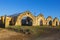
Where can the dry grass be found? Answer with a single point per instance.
(38, 33)
(11, 35)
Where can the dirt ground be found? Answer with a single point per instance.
(11, 35)
(50, 36)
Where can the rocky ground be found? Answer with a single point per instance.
(52, 34)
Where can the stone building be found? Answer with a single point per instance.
(27, 19)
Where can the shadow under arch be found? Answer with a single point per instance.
(50, 23)
(11, 22)
(26, 21)
(2, 25)
(41, 22)
(56, 23)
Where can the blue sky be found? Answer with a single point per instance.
(46, 7)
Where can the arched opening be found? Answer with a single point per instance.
(50, 23)
(26, 21)
(41, 22)
(11, 23)
(2, 24)
(56, 23)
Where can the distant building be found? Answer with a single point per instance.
(27, 19)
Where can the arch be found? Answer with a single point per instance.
(25, 14)
(41, 22)
(27, 21)
(56, 23)
(50, 23)
(41, 15)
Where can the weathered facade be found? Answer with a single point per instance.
(29, 20)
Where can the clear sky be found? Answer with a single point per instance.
(46, 7)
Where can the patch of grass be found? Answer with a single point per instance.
(36, 30)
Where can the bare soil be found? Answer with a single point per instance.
(6, 34)
(52, 34)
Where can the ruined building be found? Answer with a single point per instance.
(27, 19)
